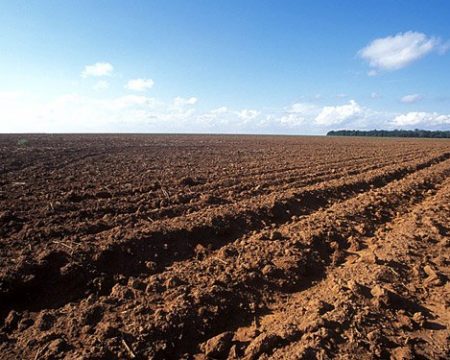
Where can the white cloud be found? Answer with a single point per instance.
(77, 113)
(140, 84)
(101, 85)
(400, 50)
(292, 120)
(219, 110)
(138, 113)
(298, 114)
(421, 118)
(10, 95)
(128, 101)
(411, 99)
(97, 69)
(15, 114)
(341, 96)
(247, 114)
(311, 118)
(301, 108)
(209, 118)
(331, 115)
(180, 101)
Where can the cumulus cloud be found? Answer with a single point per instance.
(411, 99)
(219, 110)
(140, 113)
(140, 84)
(331, 115)
(311, 118)
(10, 95)
(16, 114)
(226, 120)
(78, 113)
(400, 50)
(247, 114)
(292, 120)
(421, 118)
(298, 114)
(180, 101)
(97, 69)
(101, 85)
(208, 118)
(127, 101)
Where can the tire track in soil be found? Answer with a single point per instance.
(313, 252)
(65, 279)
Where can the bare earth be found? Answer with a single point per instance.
(224, 247)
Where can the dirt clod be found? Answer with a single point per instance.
(219, 346)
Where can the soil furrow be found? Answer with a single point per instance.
(200, 297)
(136, 213)
(163, 247)
(223, 247)
(385, 295)
(311, 247)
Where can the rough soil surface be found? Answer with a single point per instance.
(224, 247)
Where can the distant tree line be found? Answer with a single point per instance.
(392, 133)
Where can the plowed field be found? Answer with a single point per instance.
(224, 247)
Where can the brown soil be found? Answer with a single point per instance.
(224, 247)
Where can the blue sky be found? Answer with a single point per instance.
(296, 67)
